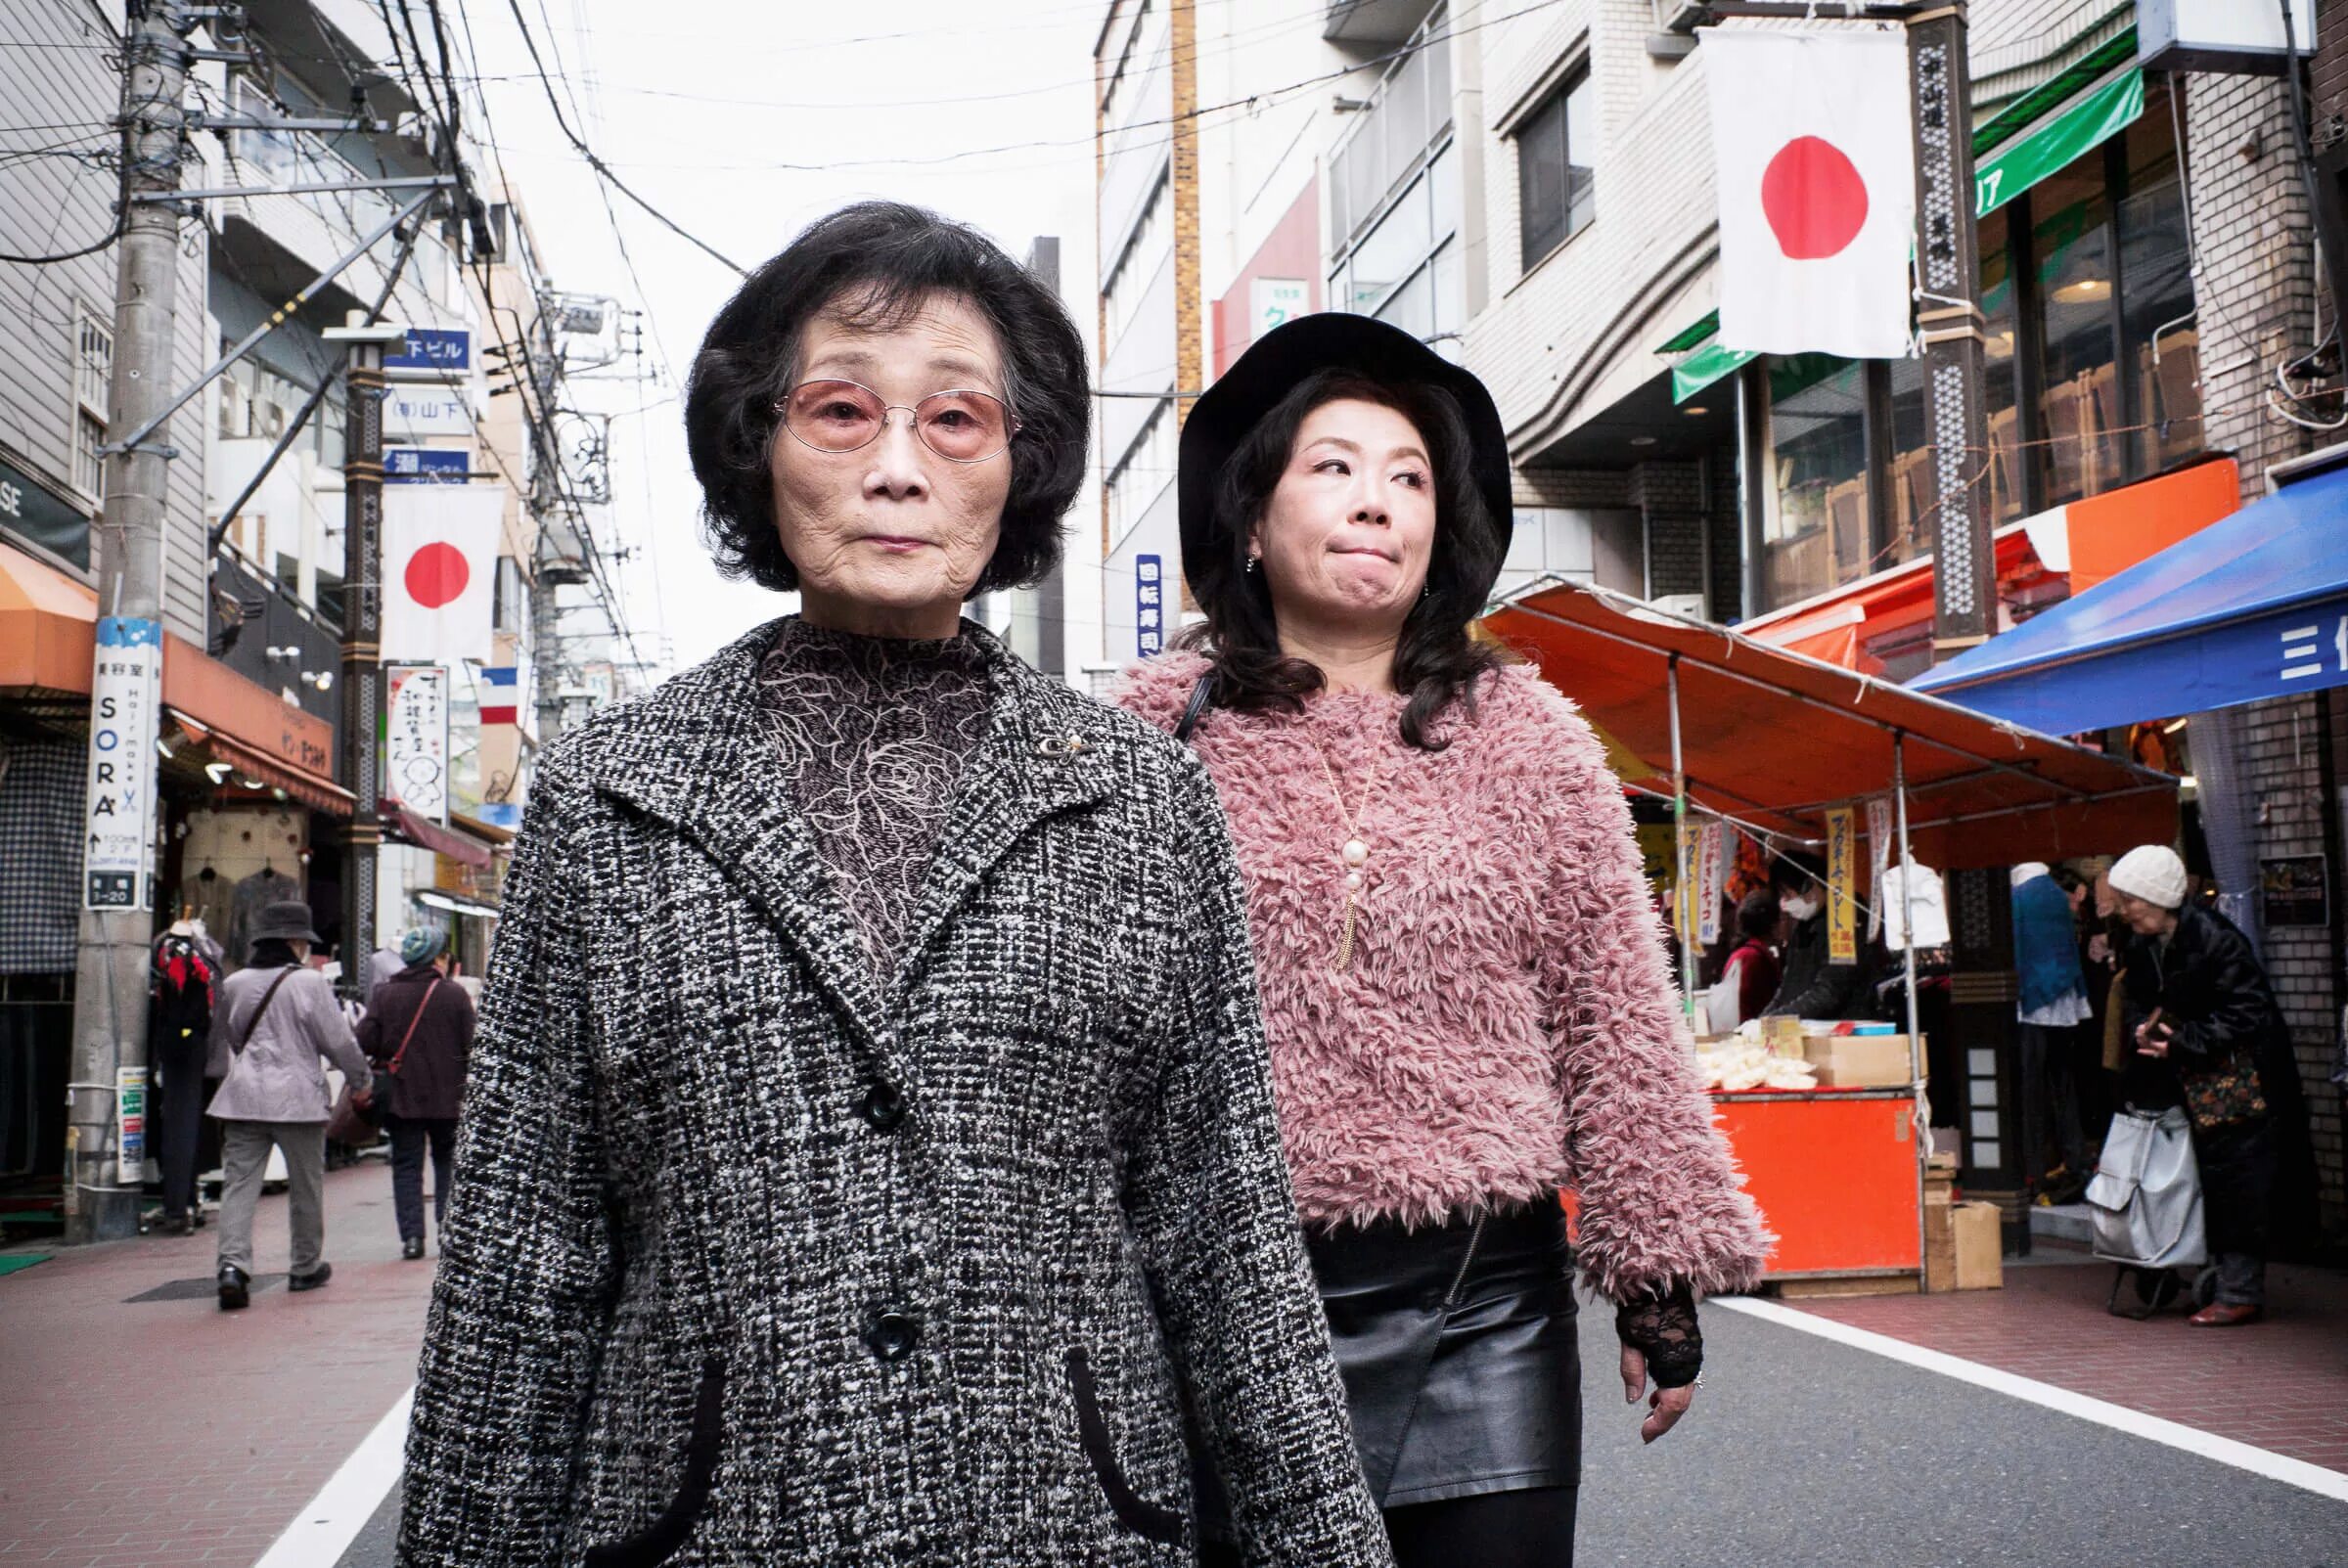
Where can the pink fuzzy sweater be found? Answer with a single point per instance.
(1509, 1025)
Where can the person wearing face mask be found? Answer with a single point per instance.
(1465, 985)
(1814, 985)
(869, 1153)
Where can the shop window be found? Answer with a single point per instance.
(1819, 536)
(2160, 333)
(1554, 179)
(1138, 266)
(1407, 113)
(93, 370)
(1912, 496)
(1405, 269)
(2079, 412)
(1144, 472)
(2002, 365)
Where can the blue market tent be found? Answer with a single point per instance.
(2253, 606)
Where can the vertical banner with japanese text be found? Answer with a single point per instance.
(1715, 852)
(1843, 898)
(125, 693)
(1149, 606)
(416, 739)
(130, 1124)
(1883, 852)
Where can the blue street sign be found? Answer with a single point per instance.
(1149, 604)
(425, 464)
(433, 349)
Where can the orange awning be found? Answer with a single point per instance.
(48, 632)
(1771, 739)
(2086, 541)
(48, 627)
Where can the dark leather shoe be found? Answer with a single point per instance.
(312, 1280)
(2225, 1315)
(412, 1248)
(235, 1288)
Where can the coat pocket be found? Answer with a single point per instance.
(1138, 1515)
(666, 1536)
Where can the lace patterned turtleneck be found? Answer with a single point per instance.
(873, 734)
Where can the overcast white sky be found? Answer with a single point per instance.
(745, 121)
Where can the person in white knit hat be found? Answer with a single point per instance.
(2205, 1033)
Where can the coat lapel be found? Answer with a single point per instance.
(1042, 756)
(694, 757)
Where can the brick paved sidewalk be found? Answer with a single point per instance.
(2281, 1385)
(211, 1429)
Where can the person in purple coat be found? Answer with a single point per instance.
(419, 1030)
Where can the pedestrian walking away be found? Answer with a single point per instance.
(274, 1022)
(869, 1152)
(2052, 1003)
(419, 1031)
(1466, 992)
(182, 979)
(2203, 1032)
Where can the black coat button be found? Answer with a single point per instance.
(883, 1106)
(890, 1333)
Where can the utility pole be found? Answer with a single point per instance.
(362, 632)
(105, 1133)
(1949, 318)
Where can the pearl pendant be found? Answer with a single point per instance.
(1353, 882)
(1356, 852)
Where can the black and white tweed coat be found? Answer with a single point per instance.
(750, 1263)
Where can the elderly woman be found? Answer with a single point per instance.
(1463, 980)
(869, 1154)
(2202, 1030)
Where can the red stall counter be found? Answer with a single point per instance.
(1836, 1174)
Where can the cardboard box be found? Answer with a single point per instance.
(1782, 1037)
(1858, 1062)
(1979, 1264)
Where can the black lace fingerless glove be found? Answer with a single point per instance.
(1660, 1325)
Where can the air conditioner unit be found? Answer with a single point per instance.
(1690, 605)
(268, 418)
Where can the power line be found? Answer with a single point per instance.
(597, 164)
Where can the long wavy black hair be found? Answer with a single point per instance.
(1435, 661)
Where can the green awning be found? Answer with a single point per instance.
(1708, 364)
(2015, 163)
(2088, 122)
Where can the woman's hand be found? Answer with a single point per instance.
(1665, 1406)
(1660, 1338)
(2098, 948)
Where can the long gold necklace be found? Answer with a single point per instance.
(1353, 855)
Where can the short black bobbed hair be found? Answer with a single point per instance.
(875, 263)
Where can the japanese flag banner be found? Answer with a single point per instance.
(1817, 176)
(439, 571)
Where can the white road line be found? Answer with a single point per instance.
(2173, 1434)
(330, 1521)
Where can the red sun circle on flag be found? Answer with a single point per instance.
(1814, 199)
(436, 575)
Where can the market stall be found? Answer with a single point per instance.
(1784, 746)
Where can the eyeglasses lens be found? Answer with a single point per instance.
(961, 426)
(835, 416)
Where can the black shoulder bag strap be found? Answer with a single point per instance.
(1195, 707)
(267, 997)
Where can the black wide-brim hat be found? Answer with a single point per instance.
(1276, 362)
(285, 920)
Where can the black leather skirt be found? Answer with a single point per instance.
(1458, 1347)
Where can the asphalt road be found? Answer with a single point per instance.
(1813, 1455)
